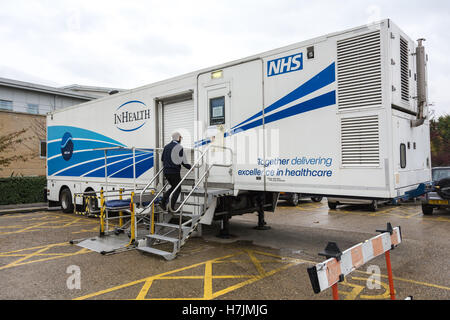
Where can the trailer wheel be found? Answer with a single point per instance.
(373, 206)
(65, 198)
(332, 205)
(427, 210)
(316, 199)
(293, 199)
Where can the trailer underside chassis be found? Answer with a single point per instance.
(248, 202)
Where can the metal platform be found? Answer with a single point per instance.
(106, 244)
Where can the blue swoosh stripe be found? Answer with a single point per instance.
(82, 168)
(324, 100)
(58, 164)
(113, 168)
(322, 79)
(57, 132)
(54, 148)
(141, 167)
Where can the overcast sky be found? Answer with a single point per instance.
(126, 44)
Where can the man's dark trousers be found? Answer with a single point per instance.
(174, 179)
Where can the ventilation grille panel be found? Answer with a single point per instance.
(404, 69)
(360, 145)
(359, 71)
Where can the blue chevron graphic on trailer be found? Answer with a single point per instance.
(321, 101)
(322, 79)
(83, 161)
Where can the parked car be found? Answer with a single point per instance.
(294, 198)
(439, 196)
(334, 202)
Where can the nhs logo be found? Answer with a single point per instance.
(285, 64)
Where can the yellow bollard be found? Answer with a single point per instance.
(120, 212)
(132, 222)
(102, 213)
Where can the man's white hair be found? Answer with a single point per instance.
(176, 136)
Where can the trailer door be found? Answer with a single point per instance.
(230, 108)
(179, 116)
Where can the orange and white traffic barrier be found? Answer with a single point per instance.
(339, 264)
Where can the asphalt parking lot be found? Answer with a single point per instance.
(38, 262)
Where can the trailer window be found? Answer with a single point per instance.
(217, 111)
(42, 149)
(402, 155)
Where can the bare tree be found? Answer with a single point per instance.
(38, 131)
(8, 144)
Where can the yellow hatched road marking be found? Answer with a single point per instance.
(358, 289)
(411, 281)
(256, 262)
(208, 276)
(143, 293)
(87, 230)
(46, 222)
(25, 255)
(351, 295)
(37, 252)
(208, 287)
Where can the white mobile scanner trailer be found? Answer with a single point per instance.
(341, 115)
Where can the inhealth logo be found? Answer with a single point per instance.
(285, 64)
(67, 146)
(131, 116)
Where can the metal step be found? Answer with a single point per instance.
(194, 194)
(165, 254)
(191, 204)
(162, 238)
(211, 191)
(188, 182)
(170, 225)
(187, 214)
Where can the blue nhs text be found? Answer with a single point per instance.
(285, 64)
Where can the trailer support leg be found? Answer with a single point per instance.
(224, 232)
(262, 225)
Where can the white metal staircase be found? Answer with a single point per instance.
(176, 225)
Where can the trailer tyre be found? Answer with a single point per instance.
(65, 198)
(316, 199)
(293, 200)
(427, 210)
(332, 205)
(373, 206)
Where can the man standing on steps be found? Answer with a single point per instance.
(173, 157)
